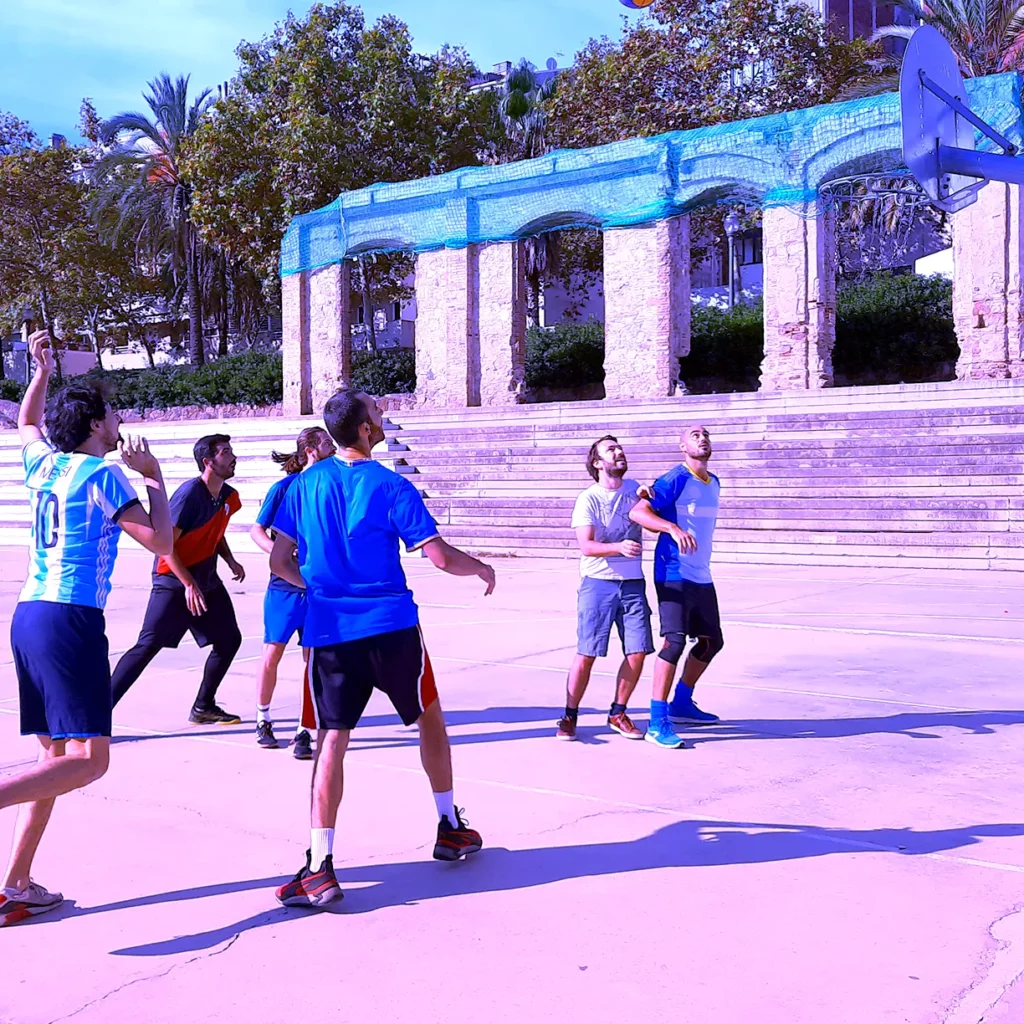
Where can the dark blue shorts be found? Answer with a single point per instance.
(284, 615)
(62, 661)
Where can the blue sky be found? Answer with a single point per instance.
(54, 52)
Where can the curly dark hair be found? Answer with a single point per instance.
(70, 414)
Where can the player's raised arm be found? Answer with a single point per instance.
(152, 529)
(33, 405)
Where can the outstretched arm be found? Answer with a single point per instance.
(458, 563)
(33, 405)
(643, 514)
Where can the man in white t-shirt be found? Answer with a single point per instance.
(612, 589)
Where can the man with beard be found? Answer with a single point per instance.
(188, 595)
(612, 590)
(686, 496)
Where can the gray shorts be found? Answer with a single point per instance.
(622, 603)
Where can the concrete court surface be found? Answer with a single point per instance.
(846, 847)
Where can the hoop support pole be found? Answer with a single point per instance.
(968, 115)
(994, 166)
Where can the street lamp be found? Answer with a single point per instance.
(732, 229)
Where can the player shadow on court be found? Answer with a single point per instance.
(496, 869)
(915, 725)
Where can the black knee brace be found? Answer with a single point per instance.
(675, 644)
(707, 647)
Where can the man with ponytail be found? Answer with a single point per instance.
(284, 606)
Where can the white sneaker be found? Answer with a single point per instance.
(17, 905)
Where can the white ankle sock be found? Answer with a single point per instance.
(262, 713)
(445, 803)
(321, 845)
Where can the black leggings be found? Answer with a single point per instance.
(167, 620)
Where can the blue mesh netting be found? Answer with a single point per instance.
(780, 160)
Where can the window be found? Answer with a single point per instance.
(396, 311)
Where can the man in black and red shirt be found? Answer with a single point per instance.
(188, 595)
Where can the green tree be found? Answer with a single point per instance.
(144, 191)
(699, 62)
(323, 105)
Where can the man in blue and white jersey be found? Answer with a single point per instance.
(80, 505)
(687, 602)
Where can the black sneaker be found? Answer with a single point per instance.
(303, 749)
(311, 888)
(213, 716)
(265, 737)
(455, 841)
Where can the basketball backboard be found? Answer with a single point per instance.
(931, 123)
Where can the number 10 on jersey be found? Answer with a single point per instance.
(47, 519)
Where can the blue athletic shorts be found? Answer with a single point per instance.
(284, 615)
(62, 662)
(604, 603)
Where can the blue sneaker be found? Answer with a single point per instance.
(685, 712)
(662, 734)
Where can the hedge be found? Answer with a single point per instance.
(569, 355)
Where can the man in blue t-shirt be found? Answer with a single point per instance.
(80, 505)
(687, 497)
(284, 605)
(343, 520)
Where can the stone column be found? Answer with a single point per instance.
(502, 322)
(316, 315)
(330, 333)
(447, 346)
(295, 344)
(988, 291)
(647, 308)
(799, 298)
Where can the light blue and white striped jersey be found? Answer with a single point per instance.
(77, 501)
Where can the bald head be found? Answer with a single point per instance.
(695, 442)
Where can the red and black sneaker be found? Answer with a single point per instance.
(455, 841)
(311, 888)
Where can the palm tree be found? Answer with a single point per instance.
(523, 110)
(143, 187)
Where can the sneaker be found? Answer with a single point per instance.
(303, 747)
(213, 716)
(265, 737)
(685, 712)
(566, 729)
(624, 726)
(455, 841)
(662, 734)
(311, 888)
(19, 905)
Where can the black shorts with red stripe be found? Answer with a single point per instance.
(344, 676)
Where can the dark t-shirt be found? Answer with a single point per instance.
(203, 521)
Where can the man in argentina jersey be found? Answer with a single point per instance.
(687, 602)
(80, 505)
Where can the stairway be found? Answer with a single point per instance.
(911, 476)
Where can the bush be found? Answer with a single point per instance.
(11, 390)
(389, 372)
(252, 379)
(569, 355)
(726, 349)
(895, 329)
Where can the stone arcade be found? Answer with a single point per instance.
(466, 228)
